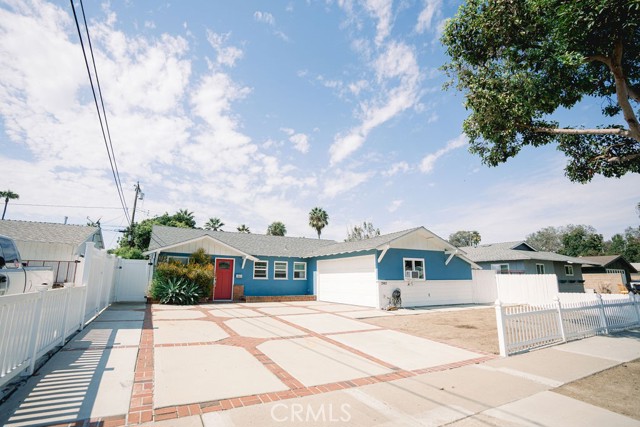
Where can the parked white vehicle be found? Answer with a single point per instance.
(15, 278)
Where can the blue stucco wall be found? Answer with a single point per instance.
(392, 266)
(269, 286)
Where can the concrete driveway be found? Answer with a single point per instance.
(293, 362)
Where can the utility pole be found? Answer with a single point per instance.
(139, 195)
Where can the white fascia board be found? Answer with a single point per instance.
(206, 236)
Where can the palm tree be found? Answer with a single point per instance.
(8, 195)
(277, 228)
(318, 219)
(243, 229)
(184, 217)
(214, 224)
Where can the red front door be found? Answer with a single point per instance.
(224, 279)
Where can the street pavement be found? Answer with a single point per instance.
(301, 363)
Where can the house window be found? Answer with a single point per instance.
(299, 270)
(280, 270)
(568, 270)
(413, 268)
(540, 268)
(260, 270)
(179, 259)
(500, 268)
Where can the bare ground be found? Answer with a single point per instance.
(616, 389)
(473, 329)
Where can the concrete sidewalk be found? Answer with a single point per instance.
(303, 363)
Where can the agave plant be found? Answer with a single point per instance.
(177, 291)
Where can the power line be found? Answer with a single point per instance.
(67, 206)
(108, 144)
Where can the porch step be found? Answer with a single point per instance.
(280, 298)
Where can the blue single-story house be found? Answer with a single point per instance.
(426, 268)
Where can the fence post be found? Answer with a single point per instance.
(502, 339)
(560, 319)
(603, 317)
(86, 275)
(634, 301)
(35, 331)
(65, 316)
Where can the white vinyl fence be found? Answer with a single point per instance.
(35, 323)
(525, 327)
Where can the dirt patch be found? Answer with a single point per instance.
(473, 329)
(615, 389)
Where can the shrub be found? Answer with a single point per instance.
(177, 291)
(199, 271)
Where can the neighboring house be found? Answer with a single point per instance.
(362, 272)
(50, 244)
(635, 277)
(615, 266)
(521, 258)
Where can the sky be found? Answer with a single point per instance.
(256, 112)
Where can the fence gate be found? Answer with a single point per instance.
(132, 280)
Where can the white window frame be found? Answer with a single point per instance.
(540, 270)
(413, 268)
(180, 258)
(276, 269)
(266, 270)
(498, 268)
(568, 270)
(299, 271)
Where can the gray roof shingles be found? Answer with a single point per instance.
(47, 232)
(263, 245)
(504, 252)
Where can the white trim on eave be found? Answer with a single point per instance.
(195, 239)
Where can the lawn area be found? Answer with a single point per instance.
(473, 329)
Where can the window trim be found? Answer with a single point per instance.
(294, 270)
(180, 258)
(499, 269)
(286, 270)
(413, 260)
(266, 270)
(538, 270)
(568, 268)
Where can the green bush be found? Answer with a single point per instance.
(176, 291)
(199, 271)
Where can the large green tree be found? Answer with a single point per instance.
(276, 228)
(519, 61)
(138, 235)
(318, 219)
(548, 239)
(582, 240)
(465, 238)
(8, 195)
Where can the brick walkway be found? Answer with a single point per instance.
(141, 406)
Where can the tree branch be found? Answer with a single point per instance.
(560, 131)
(599, 58)
(622, 92)
(617, 159)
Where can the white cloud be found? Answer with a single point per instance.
(396, 168)
(357, 87)
(429, 161)
(300, 142)
(149, 24)
(431, 10)
(264, 17)
(397, 63)
(344, 181)
(381, 10)
(395, 204)
(226, 55)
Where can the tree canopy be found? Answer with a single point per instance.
(366, 231)
(242, 228)
(8, 195)
(214, 224)
(276, 228)
(465, 238)
(519, 61)
(318, 219)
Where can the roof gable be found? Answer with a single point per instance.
(607, 260)
(509, 251)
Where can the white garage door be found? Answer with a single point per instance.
(348, 281)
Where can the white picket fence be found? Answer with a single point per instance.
(35, 323)
(525, 327)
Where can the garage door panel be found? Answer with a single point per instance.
(348, 281)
